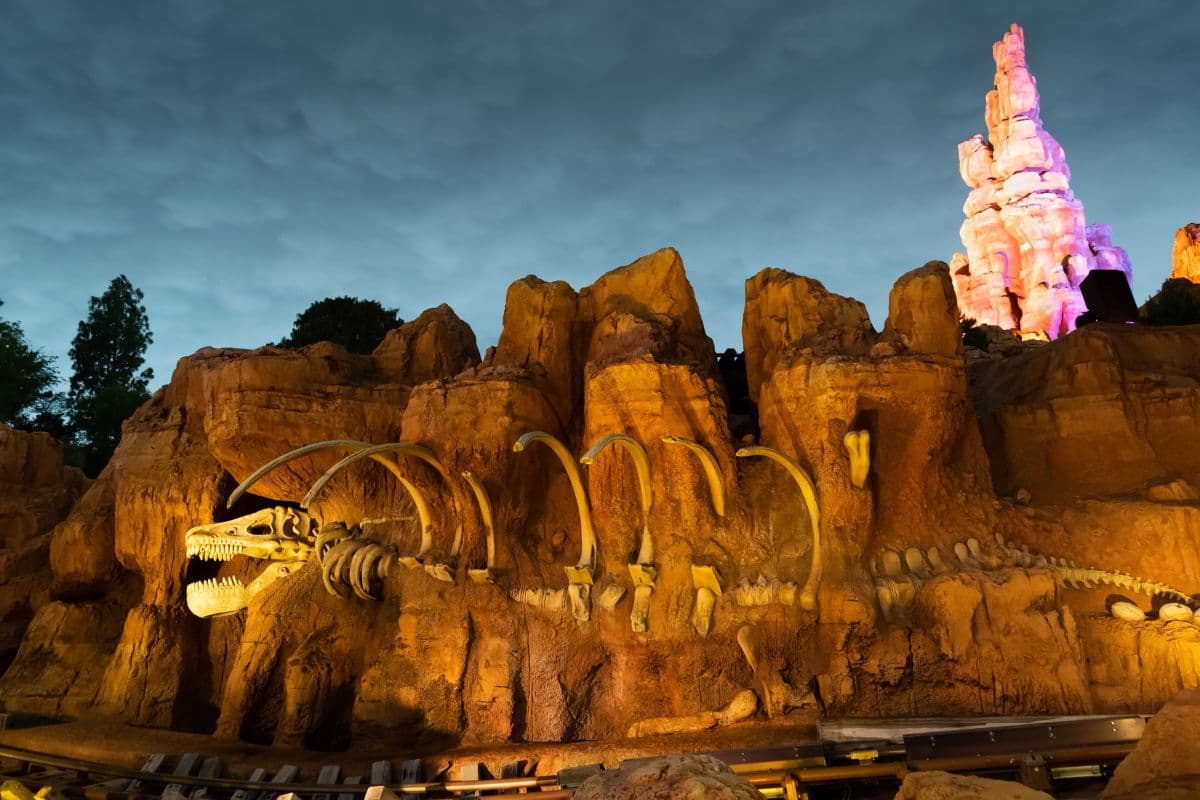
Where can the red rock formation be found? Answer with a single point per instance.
(1028, 247)
(1185, 257)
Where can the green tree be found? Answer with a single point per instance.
(1177, 303)
(357, 325)
(26, 376)
(108, 384)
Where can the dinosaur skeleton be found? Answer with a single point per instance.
(898, 576)
(282, 536)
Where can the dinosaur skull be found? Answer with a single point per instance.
(284, 536)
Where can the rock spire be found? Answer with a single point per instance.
(1028, 246)
(1185, 258)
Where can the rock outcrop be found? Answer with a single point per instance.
(1185, 256)
(1108, 411)
(36, 491)
(1163, 766)
(845, 562)
(1028, 245)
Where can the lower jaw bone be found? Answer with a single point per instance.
(215, 600)
(219, 597)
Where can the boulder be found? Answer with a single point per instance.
(437, 344)
(923, 314)
(1164, 765)
(947, 786)
(668, 778)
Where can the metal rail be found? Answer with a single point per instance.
(781, 771)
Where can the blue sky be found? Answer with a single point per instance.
(240, 160)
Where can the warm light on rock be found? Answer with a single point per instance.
(1185, 257)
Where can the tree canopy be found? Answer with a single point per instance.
(1177, 303)
(357, 325)
(108, 383)
(26, 376)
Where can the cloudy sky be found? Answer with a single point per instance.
(239, 160)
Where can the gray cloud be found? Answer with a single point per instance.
(239, 161)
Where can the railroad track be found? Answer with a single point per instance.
(1048, 755)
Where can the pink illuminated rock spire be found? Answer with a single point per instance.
(1028, 246)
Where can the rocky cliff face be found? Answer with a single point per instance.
(1028, 245)
(1185, 256)
(708, 603)
(36, 491)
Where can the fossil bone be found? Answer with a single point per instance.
(418, 497)
(707, 582)
(939, 566)
(641, 463)
(763, 593)
(1126, 611)
(712, 470)
(777, 695)
(579, 577)
(642, 571)
(408, 449)
(742, 706)
(808, 595)
(915, 560)
(643, 577)
(889, 564)
(347, 560)
(484, 575)
(858, 445)
(611, 595)
(219, 597)
(283, 536)
(550, 599)
(894, 593)
(1174, 611)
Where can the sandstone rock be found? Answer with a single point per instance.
(927, 460)
(36, 491)
(946, 786)
(1107, 411)
(1028, 246)
(81, 550)
(786, 313)
(923, 314)
(1185, 257)
(36, 488)
(653, 290)
(1163, 765)
(437, 344)
(538, 335)
(1160, 659)
(436, 663)
(668, 778)
(58, 670)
